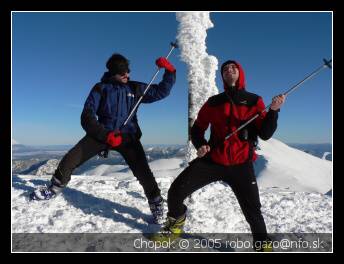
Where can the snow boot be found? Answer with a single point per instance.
(172, 229)
(156, 206)
(45, 193)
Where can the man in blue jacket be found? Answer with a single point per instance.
(106, 108)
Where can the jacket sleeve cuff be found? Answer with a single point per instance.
(274, 111)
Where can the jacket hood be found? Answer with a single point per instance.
(240, 83)
(106, 77)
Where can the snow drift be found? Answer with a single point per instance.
(284, 167)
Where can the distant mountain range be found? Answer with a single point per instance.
(318, 150)
(29, 159)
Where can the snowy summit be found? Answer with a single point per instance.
(292, 185)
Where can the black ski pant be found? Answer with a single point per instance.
(131, 150)
(241, 178)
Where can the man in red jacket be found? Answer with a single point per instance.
(228, 160)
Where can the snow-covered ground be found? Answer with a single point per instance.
(292, 187)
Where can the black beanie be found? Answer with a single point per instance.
(117, 64)
(225, 63)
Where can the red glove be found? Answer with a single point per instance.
(114, 139)
(162, 62)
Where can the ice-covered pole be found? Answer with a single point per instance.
(201, 67)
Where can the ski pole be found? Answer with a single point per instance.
(327, 64)
(173, 46)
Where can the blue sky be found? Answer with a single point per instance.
(57, 57)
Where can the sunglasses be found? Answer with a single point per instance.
(124, 72)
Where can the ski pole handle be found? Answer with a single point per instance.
(174, 46)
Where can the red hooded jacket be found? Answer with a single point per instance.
(224, 113)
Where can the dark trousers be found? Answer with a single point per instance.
(131, 150)
(241, 178)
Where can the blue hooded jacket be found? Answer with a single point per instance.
(110, 102)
